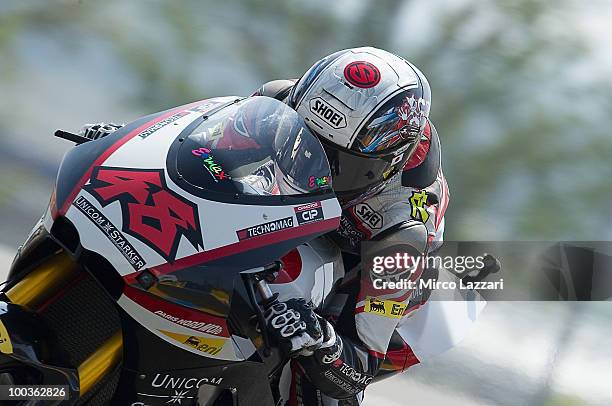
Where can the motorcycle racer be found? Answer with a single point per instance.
(370, 110)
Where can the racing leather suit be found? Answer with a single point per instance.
(365, 342)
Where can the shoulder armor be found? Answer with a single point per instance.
(413, 233)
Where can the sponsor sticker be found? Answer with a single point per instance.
(308, 213)
(204, 107)
(176, 388)
(368, 216)
(350, 233)
(329, 358)
(418, 201)
(110, 231)
(339, 382)
(360, 378)
(180, 315)
(145, 133)
(362, 74)
(265, 228)
(387, 308)
(6, 346)
(315, 182)
(213, 168)
(166, 381)
(328, 113)
(205, 345)
(202, 326)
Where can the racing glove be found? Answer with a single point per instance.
(294, 326)
(333, 367)
(99, 130)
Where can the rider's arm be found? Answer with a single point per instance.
(355, 345)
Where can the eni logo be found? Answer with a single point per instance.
(205, 345)
(209, 163)
(383, 307)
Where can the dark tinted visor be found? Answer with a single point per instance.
(353, 173)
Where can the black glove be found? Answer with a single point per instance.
(294, 326)
(99, 130)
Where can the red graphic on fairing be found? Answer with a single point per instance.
(151, 212)
(362, 74)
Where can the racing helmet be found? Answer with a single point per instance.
(369, 109)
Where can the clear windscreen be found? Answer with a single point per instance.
(258, 146)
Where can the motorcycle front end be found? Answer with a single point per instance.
(144, 282)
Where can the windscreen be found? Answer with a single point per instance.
(258, 146)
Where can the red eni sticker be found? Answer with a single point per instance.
(362, 74)
(151, 212)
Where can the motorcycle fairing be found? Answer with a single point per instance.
(103, 230)
(118, 224)
(197, 332)
(98, 229)
(323, 268)
(78, 163)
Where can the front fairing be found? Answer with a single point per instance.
(148, 202)
(173, 248)
(179, 207)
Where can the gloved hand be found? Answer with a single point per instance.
(99, 130)
(294, 326)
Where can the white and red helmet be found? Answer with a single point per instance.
(369, 108)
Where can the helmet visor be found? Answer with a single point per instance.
(354, 174)
(398, 123)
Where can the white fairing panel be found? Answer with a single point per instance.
(321, 268)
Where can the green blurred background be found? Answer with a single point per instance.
(521, 98)
(520, 90)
